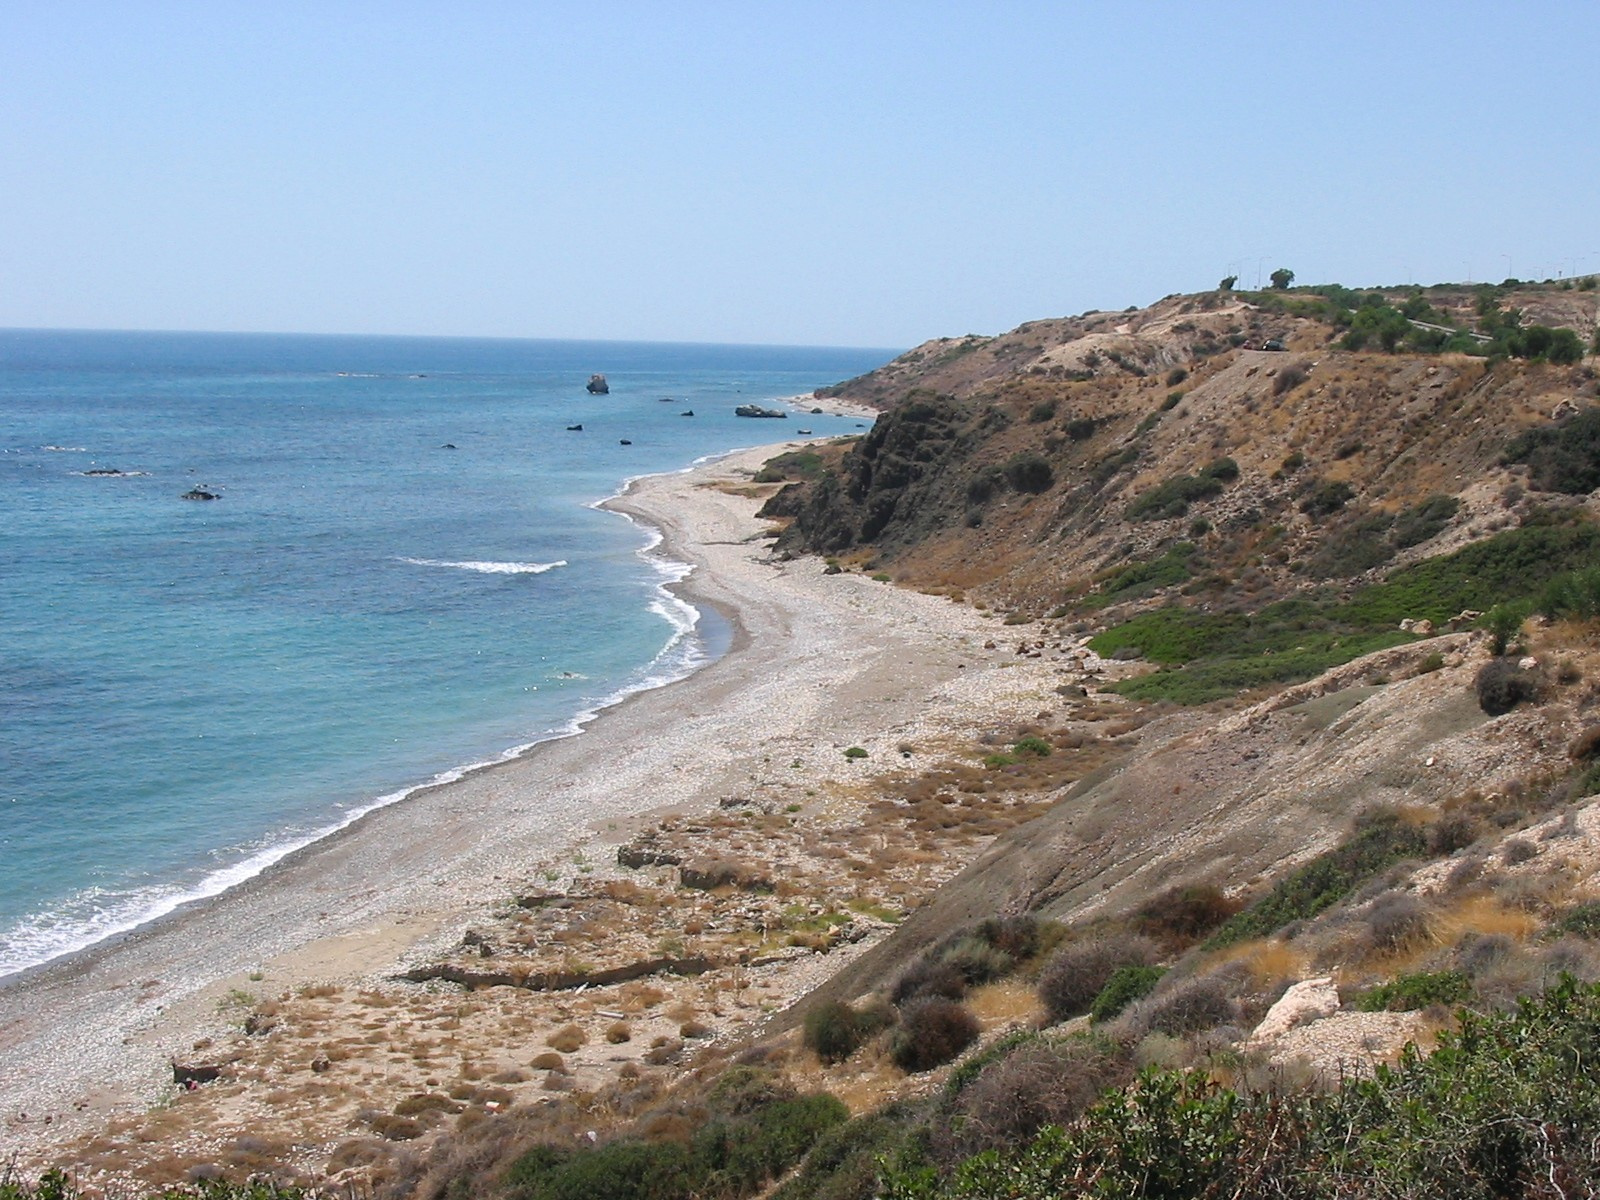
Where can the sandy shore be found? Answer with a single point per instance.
(819, 663)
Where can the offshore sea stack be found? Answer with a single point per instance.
(598, 386)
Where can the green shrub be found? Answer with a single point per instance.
(1380, 840)
(1504, 623)
(1582, 920)
(1423, 521)
(1041, 412)
(1080, 429)
(739, 1157)
(855, 752)
(1326, 498)
(646, 1170)
(844, 1164)
(1078, 972)
(1141, 578)
(1029, 473)
(1192, 1005)
(1505, 1107)
(1563, 456)
(984, 484)
(1126, 985)
(930, 975)
(1172, 498)
(978, 961)
(833, 1031)
(1035, 746)
(1407, 993)
(1501, 685)
(931, 1032)
(1028, 1084)
(1019, 936)
(1574, 595)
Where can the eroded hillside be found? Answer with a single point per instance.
(1035, 464)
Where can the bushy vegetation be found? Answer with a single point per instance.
(754, 1132)
(1142, 578)
(1563, 456)
(932, 1031)
(1126, 985)
(835, 1030)
(1079, 971)
(1029, 473)
(1211, 655)
(1380, 840)
(791, 465)
(1502, 684)
(1406, 993)
(1504, 1108)
(1172, 498)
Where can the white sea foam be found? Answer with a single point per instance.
(489, 568)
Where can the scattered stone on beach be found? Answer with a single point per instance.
(186, 1074)
(597, 385)
(708, 874)
(641, 854)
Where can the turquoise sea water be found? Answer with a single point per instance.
(405, 575)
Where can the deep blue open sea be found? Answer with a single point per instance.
(405, 575)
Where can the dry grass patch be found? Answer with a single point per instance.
(1268, 960)
(1004, 1003)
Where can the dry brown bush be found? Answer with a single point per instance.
(1188, 1006)
(1038, 1084)
(932, 1031)
(1076, 972)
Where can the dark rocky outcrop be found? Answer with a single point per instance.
(556, 981)
(597, 385)
(642, 854)
(707, 874)
(756, 410)
(902, 481)
(199, 494)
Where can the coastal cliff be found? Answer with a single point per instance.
(1197, 698)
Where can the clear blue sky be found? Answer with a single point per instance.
(851, 174)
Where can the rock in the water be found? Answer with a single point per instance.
(574, 428)
(1307, 1001)
(199, 494)
(688, 412)
(625, 442)
(597, 385)
(755, 410)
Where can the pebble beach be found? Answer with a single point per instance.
(819, 663)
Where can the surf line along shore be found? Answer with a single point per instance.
(818, 662)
